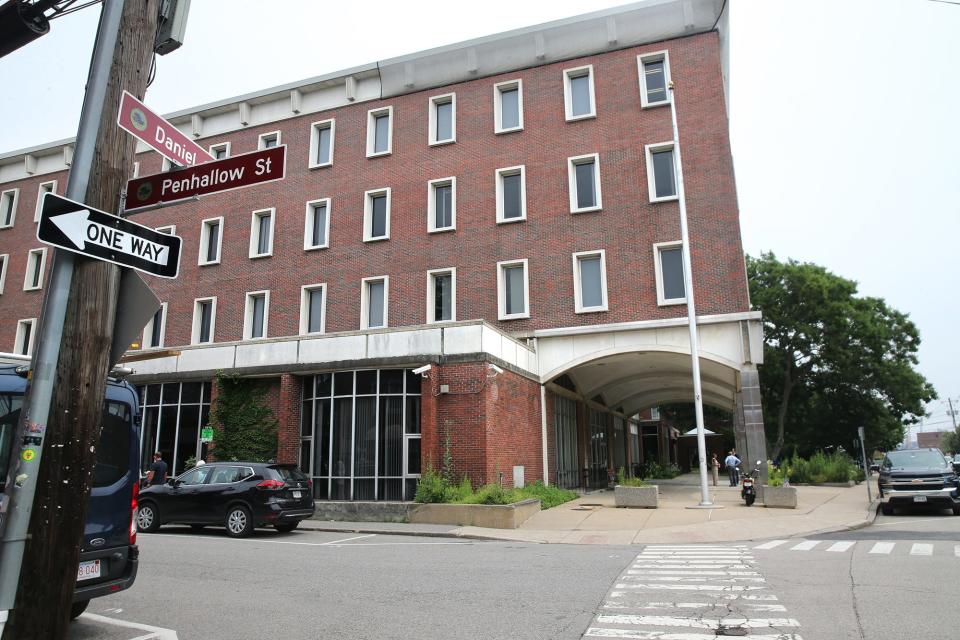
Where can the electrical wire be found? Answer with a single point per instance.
(64, 10)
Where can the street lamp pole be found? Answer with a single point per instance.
(691, 307)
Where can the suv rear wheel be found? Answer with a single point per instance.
(148, 518)
(239, 524)
(77, 608)
(887, 510)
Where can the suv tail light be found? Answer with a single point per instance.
(270, 485)
(133, 512)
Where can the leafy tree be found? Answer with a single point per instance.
(244, 426)
(832, 361)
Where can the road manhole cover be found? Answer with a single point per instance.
(733, 631)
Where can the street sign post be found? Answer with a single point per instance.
(81, 229)
(206, 434)
(244, 170)
(135, 118)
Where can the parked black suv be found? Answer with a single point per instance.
(916, 478)
(238, 495)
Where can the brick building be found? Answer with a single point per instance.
(503, 210)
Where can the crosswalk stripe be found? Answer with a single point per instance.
(692, 605)
(921, 549)
(770, 545)
(698, 579)
(882, 547)
(843, 545)
(696, 623)
(956, 550)
(806, 545)
(676, 572)
(688, 587)
(630, 634)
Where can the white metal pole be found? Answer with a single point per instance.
(691, 307)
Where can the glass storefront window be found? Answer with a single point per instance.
(173, 414)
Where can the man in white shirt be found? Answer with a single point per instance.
(732, 462)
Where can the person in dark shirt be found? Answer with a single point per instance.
(158, 470)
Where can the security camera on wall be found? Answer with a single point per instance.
(495, 369)
(422, 370)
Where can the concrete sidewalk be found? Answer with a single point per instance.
(592, 518)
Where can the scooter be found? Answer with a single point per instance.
(748, 492)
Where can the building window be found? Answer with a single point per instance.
(168, 165)
(578, 97)
(268, 140)
(513, 290)
(170, 229)
(376, 215)
(442, 295)
(443, 119)
(379, 132)
(360, 434)
(316, 229)
(136, 170)
(654, 70)
(154, 331)
(590, 281)
(442, 205)
(508, 106)
(204, 320)
(220, 151)
(4, 261)
(255, 315)
(261, 233)
(661, 175)
(654, 413)
(668, 257)
(583, 173)
(33, 278)
(45, 188)
(23, 344)
(373, 302)
(173, 414)
(313, 308)
(8, 207)
(321, 143)
(211, 237)
(511, 194)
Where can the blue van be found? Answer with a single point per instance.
(108, 549)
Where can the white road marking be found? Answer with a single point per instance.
(629, 634)
(156, 633)
(882, 547)
(369, 535)
(673, 572)
(956, 550)
(692, 605)
(691, 566)
(921, 549)
(698, 579)
(697, 623)
(843, 545)
(770, 545)
(806, 545)
(688, 587)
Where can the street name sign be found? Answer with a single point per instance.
(244, 170)
(135, 118)
(90, 232)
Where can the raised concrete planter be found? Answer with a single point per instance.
(637, 497)
(358, 511)
(779, 497)
(494, 516)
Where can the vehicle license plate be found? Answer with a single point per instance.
(919, 498)
(297, 494)
(89, 569)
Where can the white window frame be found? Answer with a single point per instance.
(148, 329)
(53, 189)
(205, 240)
(18, 339)
(568, 75)
(572, 178)
(305, 308)
(651, 179)
(136, 170)
(372, 131)
(502, 289)
(170, 229)
(255, 231)
(195, 328)
(654, 56)
(432, 204)
(214, 147)
(308, 225)
(365, 301)
(506, 171)
(5, 258)
(433, 103)
(167, 164)
(499, 88)
(315, 129)
(262, 139)
(432, 294)
(663, 301)
(368, 214)
(27, 276)
(578, 282)
(248, 314)
(13, 207)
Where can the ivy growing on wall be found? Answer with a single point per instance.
(245, 428)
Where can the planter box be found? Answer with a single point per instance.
(494, 516)
(637, 497)
(779, 497)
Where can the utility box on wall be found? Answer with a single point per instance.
(518, 477)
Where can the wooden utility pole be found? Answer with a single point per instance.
(51, 552)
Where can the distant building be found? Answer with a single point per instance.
(930, 438)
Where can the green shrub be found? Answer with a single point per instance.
(549, 497)
(431, 487)
(775, 476)
(434, 488)
(624, 481)
(821, 467)
(656, 470)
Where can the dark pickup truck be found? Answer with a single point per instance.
(918, 478)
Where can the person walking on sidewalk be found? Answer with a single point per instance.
(732, 462)
(715, 469)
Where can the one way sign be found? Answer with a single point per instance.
(76, 227)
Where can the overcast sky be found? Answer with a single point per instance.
(844, 118)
